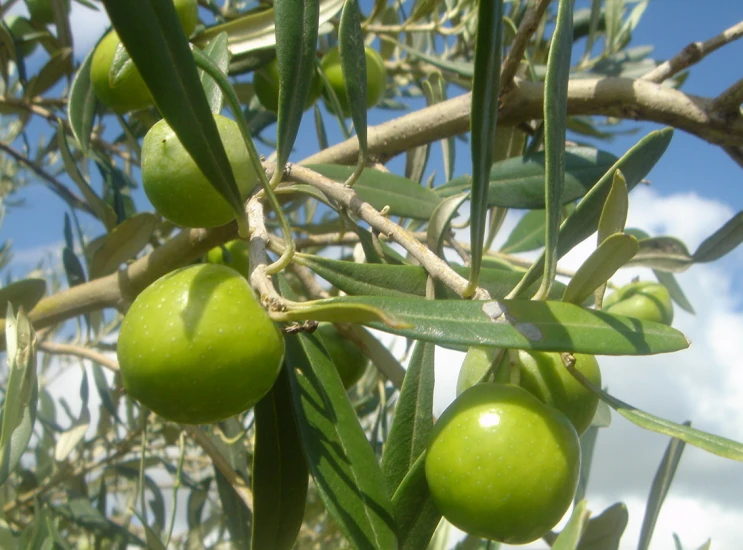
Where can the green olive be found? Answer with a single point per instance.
(642, 300)
(376, 77)
(266, 87)
(348, 359)
(178, 189)
(237, 256)
(502, 465)
(197, 347)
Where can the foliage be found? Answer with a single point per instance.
(333, 237)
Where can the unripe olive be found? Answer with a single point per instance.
(348, 359)
(376, 77)
(237, 257)
(266, 87)
(643, 300)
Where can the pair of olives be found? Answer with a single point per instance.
(504, 459)
(266, 82)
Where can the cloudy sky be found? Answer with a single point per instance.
(694, 190)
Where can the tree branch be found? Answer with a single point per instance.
(626, 98)
(693, 53)
(728, 102)
(528, 26)
(80, 351)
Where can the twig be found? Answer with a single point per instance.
(693, 53)
(347, 197)
(119, 289)
(80, 351)
(624, 98)
(528, 26)
(63, 473)
(65, 194)
(259, 239)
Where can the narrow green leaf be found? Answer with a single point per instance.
(157, 502)
(614, 213)
(614, 252)
(98, 206)
(353, 68)
(81, 104)
(340, 459)
(296, 44)
(123, 243)
(663, 253)
(483, 121)
(522, 324)
(587, 446)
(58, 65)
(237, 515)
(217, 51)
(555, 115)
(438, 226)
(519, 182)
(674, 289)
(723, 241)
(570, 536)
(153, 540)
(22, 294)
(339, 312)
(405, 280)
(21, 391)
(255, 31)
(715, 444)
(605, 531)
(659, 489)
(403, 196)
(411, 428)
(279, 472)
(416, 514)
(583, 221)
(153, 37)
(81, 511)
(104, 392)
(527, 235)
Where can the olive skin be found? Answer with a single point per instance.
(239, 256)
(642, 300)
(502, 465)
(129, 92)
(266, 87)
(348, 359)
(176, 186)
(376, 78)
(543, 375)
(197, 347)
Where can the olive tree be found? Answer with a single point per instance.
(325, 458)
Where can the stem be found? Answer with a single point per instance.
(214, 71)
